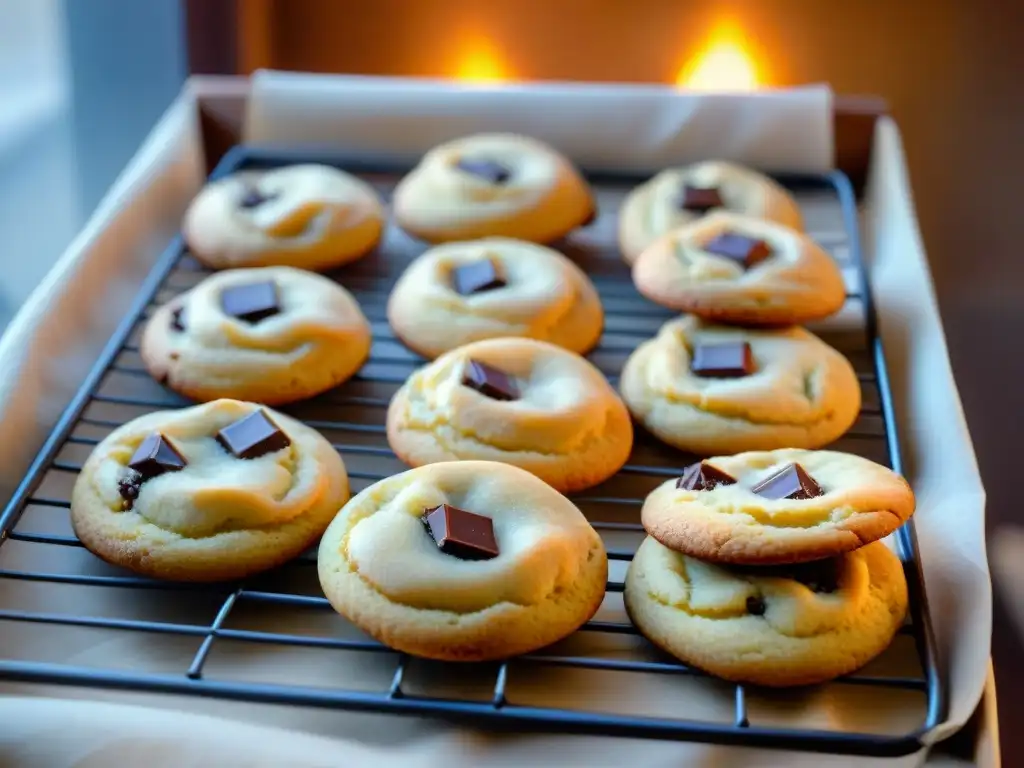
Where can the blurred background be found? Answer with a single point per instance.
(82, 81)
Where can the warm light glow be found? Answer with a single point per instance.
(480, 62)
(725, 63)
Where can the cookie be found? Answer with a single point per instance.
(307, 216)
(788, 506)
(492, 185)
(463, 561)
(775, 626)
(680, 196)
(480, 289)
(209, 493)
(519, 401)
(712, 389)
(735, 269)
(272, 335)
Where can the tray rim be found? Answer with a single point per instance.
(534, 718)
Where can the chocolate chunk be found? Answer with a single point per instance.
(489, 170)
(251, 303)
(703, 477)
(253, 436)
(476, 277)
(726, 360)
(253, 198)
(790, 482)
(701, 199)
(755, 606)
(746, 251)
(489, 381)
(155, 456)
(129, 486)
(461, 534)
(177, 319)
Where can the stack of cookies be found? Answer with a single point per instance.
(768, 567)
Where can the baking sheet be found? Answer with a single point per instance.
(175, 144)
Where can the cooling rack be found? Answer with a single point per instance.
(274, 638)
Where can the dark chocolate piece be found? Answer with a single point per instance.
(476, 277)
(725, 360)
(703, 477)
(489, 381)
(755, 606)
(155, 456)
(129, 486)
(253, 436)
(252, 302)
(461, 534)
(701, 199)
(489, 170)
(253, 198)
(746, 251)
(177, 319)
(790, 482)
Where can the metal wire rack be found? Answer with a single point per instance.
(201, 639)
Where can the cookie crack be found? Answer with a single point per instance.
(440, 421)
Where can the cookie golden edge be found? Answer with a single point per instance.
(305, 379)
(783, 661)
(498, 632)
(730, 434)
(157, 553)
(721, 540)
(566, 473)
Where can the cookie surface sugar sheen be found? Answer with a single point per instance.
(493, 185)
(462, 292)
(463, 561)
(307, 216)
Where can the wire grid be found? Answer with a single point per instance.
(352, 417)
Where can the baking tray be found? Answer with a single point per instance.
(274, 638)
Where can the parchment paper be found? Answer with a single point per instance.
(48, 350)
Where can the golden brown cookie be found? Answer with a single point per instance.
(307, 216)
(209, 493)
(492, 185)
(774, 626)
(736, 269)
(680, 196)
(271, 335)
(713, 389)
(458, 293)
(507, 567)
(785, 506)
(519, 401)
